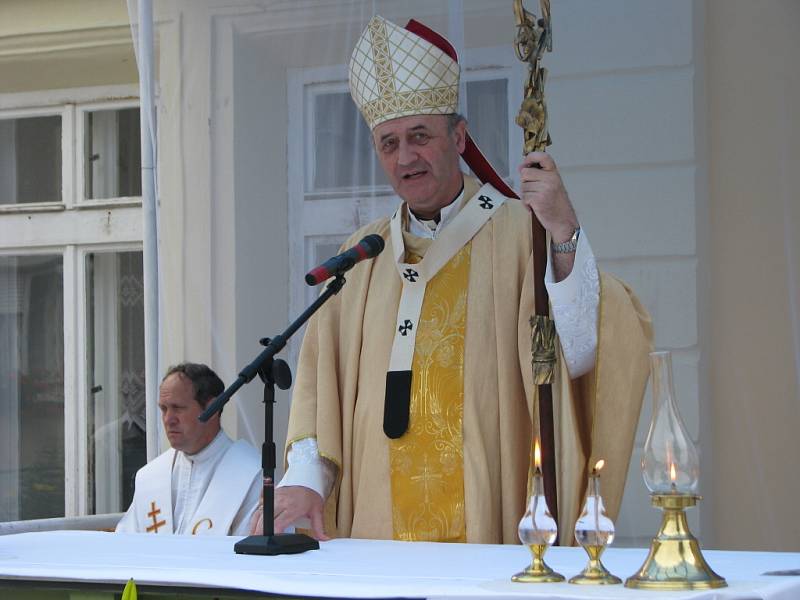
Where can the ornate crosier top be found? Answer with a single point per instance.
(533, 39)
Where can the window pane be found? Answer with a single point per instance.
(30, 160)
(112, 154)
(487, 107)
(31, 387)
(343, 153)
(117, 440)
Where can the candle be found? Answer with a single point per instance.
(595, 493)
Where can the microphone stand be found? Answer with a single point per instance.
(272, 372)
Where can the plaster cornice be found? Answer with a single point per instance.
(61, 41)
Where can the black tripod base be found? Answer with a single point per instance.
(271, 545)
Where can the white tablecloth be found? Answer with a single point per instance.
(359, 568)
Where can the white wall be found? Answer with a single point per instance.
(622, 102)
(754, 92)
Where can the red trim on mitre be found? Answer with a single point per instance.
(472, 155)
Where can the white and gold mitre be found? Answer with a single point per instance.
(395, 73)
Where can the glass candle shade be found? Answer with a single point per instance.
(670, 463)
(537, 526)
(594, 531)
(537, 530)
(593, 527)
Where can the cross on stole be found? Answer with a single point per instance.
(152, 514)
(411, 275)
(485, 202)
(426, 477)
(405, 327)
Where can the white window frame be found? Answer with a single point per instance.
(80, 138)
(84, 385)
(73, 228)
(67, 114)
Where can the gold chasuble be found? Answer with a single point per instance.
(427, 462)
(340, 391)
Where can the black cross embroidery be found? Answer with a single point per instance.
(411, 275)
(486, 202)
(406, 327)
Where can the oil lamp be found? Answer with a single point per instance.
(537, 530)
(594, 531)
(671, 470)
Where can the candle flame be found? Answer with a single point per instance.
(673, 475)
(537, 455)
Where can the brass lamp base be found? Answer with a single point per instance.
(675, 561)
(595, 572)
(538, 572)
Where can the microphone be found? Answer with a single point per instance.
(369, 247)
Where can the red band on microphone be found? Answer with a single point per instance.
(318, 275)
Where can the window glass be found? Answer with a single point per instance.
(30, 160)
(487, 107)
(343, 153)
(112, 154)
(341, 132)
(116, 403)
(31, 387)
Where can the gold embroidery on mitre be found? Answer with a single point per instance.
(396, 73)
(427, 462)
(200, 522)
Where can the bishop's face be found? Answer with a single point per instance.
(421, 159)
(179, 412)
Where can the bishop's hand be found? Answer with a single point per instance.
(543, 192)
(292, 502)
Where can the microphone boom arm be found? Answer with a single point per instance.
(275, 345)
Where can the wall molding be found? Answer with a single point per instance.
(32, 44)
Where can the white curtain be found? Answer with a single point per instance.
(144, 47)
(31, 387)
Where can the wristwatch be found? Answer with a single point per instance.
(567, 247)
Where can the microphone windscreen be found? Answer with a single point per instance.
(374, 244)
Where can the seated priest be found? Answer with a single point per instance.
(206, 484)
(414, 408)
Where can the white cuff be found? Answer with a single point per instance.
(308, 469)
(575, 301)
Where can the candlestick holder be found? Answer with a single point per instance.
(538, 571)
(594, 531)
(675, 561)
(671, 469)
(537, 530)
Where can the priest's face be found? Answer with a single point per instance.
(420, 157)
(179, 412)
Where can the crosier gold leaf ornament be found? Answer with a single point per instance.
(534, 38)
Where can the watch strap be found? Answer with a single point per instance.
(569, 246)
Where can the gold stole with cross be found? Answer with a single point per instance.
(427, 462)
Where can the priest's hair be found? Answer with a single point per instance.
(206, 383)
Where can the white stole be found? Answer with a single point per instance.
(227, 490)
(221, 502)
(415, 277)
(152, 497)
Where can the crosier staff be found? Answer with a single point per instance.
(533, 39)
